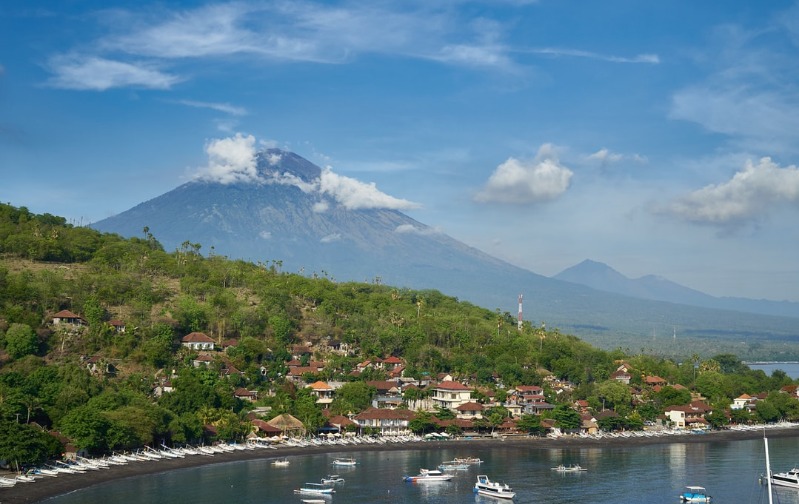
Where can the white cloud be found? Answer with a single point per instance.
(234, 160)
(652, 59)
(266, 235)
(334, 237)
(277, 31)
(231, 160)
(603, 155)
(356, 195)
(515, 181)
(219, 107)
(750, 194)
(420, 230)
(99, 74)
(320, 207)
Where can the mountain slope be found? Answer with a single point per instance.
(602, 277)
(282, 215)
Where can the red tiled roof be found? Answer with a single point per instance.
(385, 414)
(196, 337)
(452, 385)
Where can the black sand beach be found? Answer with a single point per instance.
(44, 488)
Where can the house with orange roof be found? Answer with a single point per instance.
(469, 411)
(323, 393)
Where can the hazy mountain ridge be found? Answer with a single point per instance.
(309, 233)
(602, 277)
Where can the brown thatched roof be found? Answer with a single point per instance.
(286, 423)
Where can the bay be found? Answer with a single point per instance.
(654, 473)
(791, 368)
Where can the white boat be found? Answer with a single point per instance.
(468, 460)
(314, 488)
(788, 478)
(7, 482)
(485, 486)
(695, 494)
(426, 475)
(281, 463)
(569, 468)
(345, 462)
(453, 465)
(332, 479)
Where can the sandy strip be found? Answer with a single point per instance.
(46, 487)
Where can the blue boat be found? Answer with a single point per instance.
(695, 494)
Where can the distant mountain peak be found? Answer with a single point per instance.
(278, 162)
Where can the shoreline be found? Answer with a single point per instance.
(44, 488)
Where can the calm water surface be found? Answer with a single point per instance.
(635, 474)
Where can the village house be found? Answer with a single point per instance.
(469, 411)
(246, 395)
(689, 416)
(389, 394)
(67, 317)
(117, 326)
(387, 421)
(451, 394)
(197, 341)
(323, 393)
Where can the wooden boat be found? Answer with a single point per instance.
(569, 469)
(332, 479)
(485, 486)
(315, 489)
(426, 475)
(695, 494)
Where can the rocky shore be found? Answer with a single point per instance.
(46, 487)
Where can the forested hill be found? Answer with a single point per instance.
(128, 304)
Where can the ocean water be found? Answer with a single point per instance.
(730, 471)
(790, 368)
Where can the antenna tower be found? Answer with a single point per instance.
(520, 313)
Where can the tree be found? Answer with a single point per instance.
(22, 444)
(566, 417)
(21, 341)
(353, 396)
(307, 411)
(422, 423)
(531, 424)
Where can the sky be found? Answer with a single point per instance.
(657, 137)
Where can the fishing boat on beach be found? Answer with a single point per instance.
(485, 486)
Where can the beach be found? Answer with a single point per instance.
(44, 488)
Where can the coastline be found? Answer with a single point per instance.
(44, 488)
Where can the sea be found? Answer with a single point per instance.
(651, 474)
(790, 368)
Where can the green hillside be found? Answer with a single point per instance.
(100, 385)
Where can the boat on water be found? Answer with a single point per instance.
(485, 486)
(426, 475)
(281, 463)
(452, 465)
(694, 494)
(788, 478)
(332, 479)
(569, 468)
(467, 460)
(315, 489)
(346, 462)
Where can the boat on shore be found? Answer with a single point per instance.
(484, 486)
(427, 475)
(695, 494)
(569, 468)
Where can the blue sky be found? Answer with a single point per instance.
(657, 137)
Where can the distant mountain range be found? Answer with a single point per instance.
(602, 277)
(282, 215)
